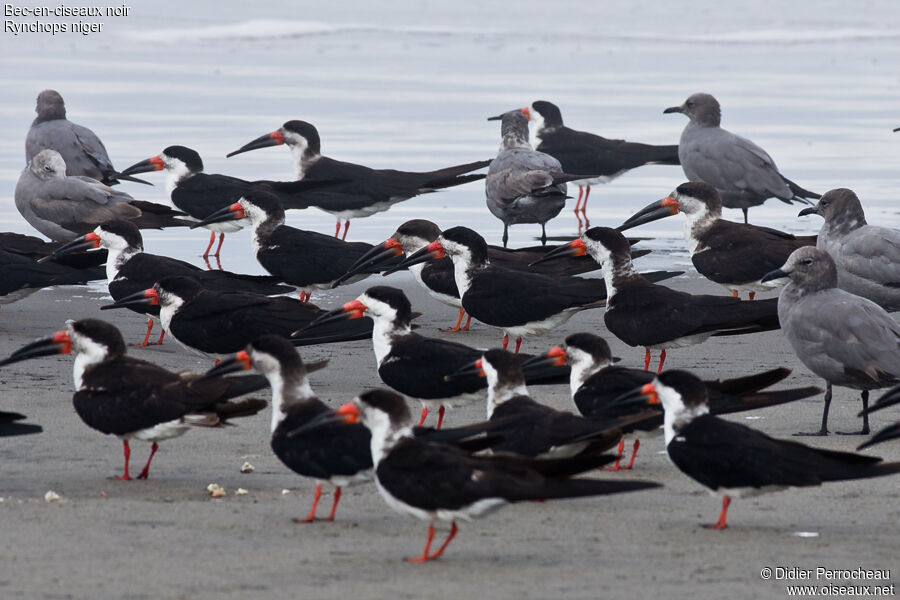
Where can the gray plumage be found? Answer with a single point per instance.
(80, 148)
(63, 207)
(522, 184)
(867, 257)
(845, 339)
(744, 173)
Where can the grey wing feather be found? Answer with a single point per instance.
(873, 255)
(726, 161)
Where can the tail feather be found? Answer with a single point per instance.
(578, 488)
(235, 410)
(750, 383)
(733, 404)
(799, 192)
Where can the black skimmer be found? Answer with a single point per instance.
(83, 152)
(134, 399)
(534, 429)
(734, 460)
(734, 255)
(304, 259)
(596, 383)
(361, 191)
(744, 173)
(437, 276)
(413, 364)
(63, 207)
(867, 256)
(21, 276)
(336, 453)
(641, 313)
(584, 152)
(522, 184)
(845, 339)
(130, 270)
(891, 432)
(439, 482)
(224, 321)
(518, 302)
(10, 425)
(201, 194)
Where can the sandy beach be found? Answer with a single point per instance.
(166, 538)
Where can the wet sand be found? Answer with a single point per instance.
(166, 538)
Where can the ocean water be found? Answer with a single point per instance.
(409, 85)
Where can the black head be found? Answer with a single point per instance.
(691, 388)
(591, 344)
(189, 157)
(186, 288)
(50, 106)
(395, 300)
(99, 332)
(293, 130)
(387, 402)
(126, 230)
(549, 111)
(506, 368)
(267, 205)
(458, 240)
(277, 347)
(701, 191)
(419, 228)
(604, 242)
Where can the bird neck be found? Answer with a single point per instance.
(384, 331)
(675, 420)
(288, 391)
(500, 393)
(116, 259)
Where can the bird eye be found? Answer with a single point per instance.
(47, 168)
(806, 261)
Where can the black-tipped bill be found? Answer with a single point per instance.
(432, 251)
(475, 369)
(772, 275)
(239, 362)
(351, 310)
(229, 213)
(574, 248)
(58, 343)
(154, 163)
(84, 242)
(661, 209)
(276, 138)
(376, 255)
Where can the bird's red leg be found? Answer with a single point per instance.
(619, 453)
(634, 449)
(721, 524)
(462, 311)
(587, 192)
(337, 498)
(212, 238)
(337, 228)
(468, 322)
(146, 341)
(158, 342)
(440, 416)
(646, 359)
(450, 536)
(518, 344)
(662, 360)
(505, 341)
(304, 296)
(145, 472)
(423, 415)
(734, 294)
(346, 228)
(219, 247)
(424, 556)
(578, 202)
(312, 511)
(752, 295)
(580, 222)
(126, 449)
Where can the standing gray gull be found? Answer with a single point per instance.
(522, 184)
(744, 173)
(845, 339)
(80, 147)
(584, 152)
(867, 256)
(64, 207)
(734, 255)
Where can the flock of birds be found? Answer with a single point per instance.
(840, 286)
